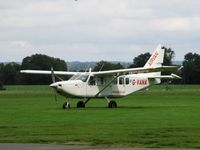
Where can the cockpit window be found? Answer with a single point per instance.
(74, 77)
(92, 81)
(82, 77)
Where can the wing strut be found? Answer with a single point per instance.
(106, 86)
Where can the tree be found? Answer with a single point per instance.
(41, 62)
(1, 76)
(1, 86)
(168, 57)
(1, 73)
(11, 73)
(104, 65)
(140, 60)
(191, 68)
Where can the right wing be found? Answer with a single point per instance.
(48, 72)
(154, 64)
(135, 70)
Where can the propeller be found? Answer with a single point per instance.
(53, 85)
(52, 75)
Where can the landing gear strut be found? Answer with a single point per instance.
(66, 105)
(81, 104)
(111, 103)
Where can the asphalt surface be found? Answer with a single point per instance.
(14, 146)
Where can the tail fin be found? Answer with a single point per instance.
(156, 58)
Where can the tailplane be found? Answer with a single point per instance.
(156, 60)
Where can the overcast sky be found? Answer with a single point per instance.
(93, 30)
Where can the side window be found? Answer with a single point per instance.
(121, 80)
(92, 81)
(99, 81)
(127, 80)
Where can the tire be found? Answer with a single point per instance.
(112, 104)
(66, 105)
(80, 104)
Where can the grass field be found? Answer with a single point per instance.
(153, 118)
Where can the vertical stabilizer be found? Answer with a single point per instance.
(156, 58)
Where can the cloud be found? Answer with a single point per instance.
(97, 29)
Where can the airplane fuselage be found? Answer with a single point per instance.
(90, 87)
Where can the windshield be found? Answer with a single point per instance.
(82, 77)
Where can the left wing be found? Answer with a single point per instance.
(48, 72)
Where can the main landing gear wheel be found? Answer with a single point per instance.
(112, 104)
(66, 105)
(80, 104)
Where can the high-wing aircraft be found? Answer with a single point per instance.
(109, 84)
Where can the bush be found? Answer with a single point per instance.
(2, 87)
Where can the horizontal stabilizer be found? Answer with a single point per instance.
(175, 76)
(172, 76)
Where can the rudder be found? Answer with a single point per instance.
(156, 58)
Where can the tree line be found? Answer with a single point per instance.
(10, 72)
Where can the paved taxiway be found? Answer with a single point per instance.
(14, 146)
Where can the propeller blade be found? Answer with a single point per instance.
(52, 75)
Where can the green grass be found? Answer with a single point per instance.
(153, 118)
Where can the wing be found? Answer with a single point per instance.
(48, 72)
(135, 70)
(154, 64)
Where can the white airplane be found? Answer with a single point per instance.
(109, 84)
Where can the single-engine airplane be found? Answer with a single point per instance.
(109, 84)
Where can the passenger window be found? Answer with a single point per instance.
(127, 80)
(121, 80)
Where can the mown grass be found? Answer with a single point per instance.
(152, 118)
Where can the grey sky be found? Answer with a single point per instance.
(93, 30)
